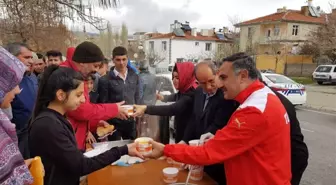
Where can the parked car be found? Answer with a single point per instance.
(325, 73)
(295, 92)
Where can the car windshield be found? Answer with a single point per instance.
(278, 79)
(323, 69)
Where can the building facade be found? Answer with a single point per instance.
(282, 32)
(185, 44)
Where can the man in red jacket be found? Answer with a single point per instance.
(255, 144)
(86, 59)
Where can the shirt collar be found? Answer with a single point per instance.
(116, 73)
(207, 95)
(243, 95)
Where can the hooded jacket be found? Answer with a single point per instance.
(88, 113)
(70, 53)
(254, 146)
(183, 100)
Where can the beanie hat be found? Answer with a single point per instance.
(87, 52)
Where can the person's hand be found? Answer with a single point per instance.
(90, 138)
(157, 150)
(159, 97)
(28, 162)
(132, 151)
(139, 110)
(122, 113)
(206, 137)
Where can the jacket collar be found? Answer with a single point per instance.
(243, 95)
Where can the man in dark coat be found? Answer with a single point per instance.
(299, 149)
(120, 84)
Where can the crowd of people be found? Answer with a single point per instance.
(51, 108)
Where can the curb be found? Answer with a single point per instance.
(319, 108)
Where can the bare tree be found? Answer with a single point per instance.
(322, 41)
(234, 20)
(124, 35)
(154, 58)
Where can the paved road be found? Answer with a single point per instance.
(319, 129)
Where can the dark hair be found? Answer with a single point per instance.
(53, 79)
(15, 48)
(54, 53)
(119, 51)
(243, 61)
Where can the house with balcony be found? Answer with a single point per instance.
(281, 32)
(184, 43)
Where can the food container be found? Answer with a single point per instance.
(170, 175)
(129, 109)
(195, 142)
(143, 145)
(197, 172)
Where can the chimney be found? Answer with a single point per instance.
(305, 10)
(225, 29)
(310, 3)
(282, 10)
(333, 11)
(176, 21)
(194, 32)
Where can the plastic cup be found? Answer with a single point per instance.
(143, 146)
(129, 109)
(195, 142)
(197, 172)
(170, 175)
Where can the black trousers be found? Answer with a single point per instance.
(126, 129)
(217, 173)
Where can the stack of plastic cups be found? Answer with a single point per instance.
(196, 171)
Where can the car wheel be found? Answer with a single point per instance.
(320, 83)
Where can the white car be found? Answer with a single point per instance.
(325, 73)
(295, 92)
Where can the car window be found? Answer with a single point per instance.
(323, 69)
(167, 84)
(279, 79)
(335, 69)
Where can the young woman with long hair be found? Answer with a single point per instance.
(51, 135)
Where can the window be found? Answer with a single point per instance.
(220, 47)
(323, 69)
(335, 69)
(196, 43)
(295, 30)
(268, 33)
(250, 32)
(164, 45)
(207, 46)
(276, 30)
(151, 45)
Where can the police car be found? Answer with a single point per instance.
(295, 92)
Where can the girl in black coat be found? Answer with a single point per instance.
(184, 81)
(51, 135)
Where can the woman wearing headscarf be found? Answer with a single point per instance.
(185, 82)
(13, 169)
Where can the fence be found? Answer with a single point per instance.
(290, 65)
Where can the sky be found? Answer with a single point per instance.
(150, 15)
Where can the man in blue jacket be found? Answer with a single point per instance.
(23, 104)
